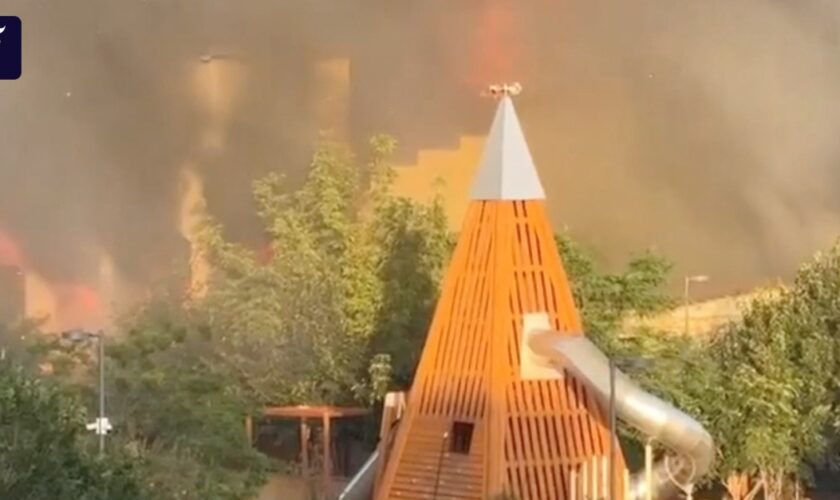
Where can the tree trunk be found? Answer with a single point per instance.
(769, 490)
(737, 485)
(774, 483)
(757, 487)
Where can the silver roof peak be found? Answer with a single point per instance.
(507, 170)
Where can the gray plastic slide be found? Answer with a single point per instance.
(691, 446)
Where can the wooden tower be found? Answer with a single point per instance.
(481, 421)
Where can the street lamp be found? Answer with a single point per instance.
(627, 364)
(699, 278)
(79, 336)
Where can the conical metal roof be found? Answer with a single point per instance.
(507, 171)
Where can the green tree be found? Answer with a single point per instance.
(773, 403)
(346, 297)
(766, 386)
(345, 300)
(813, 303)
(42, 453)
(414, 245)
(606, 299)
(297, 327)
(192, 437)
(746, 386)
(178, 410)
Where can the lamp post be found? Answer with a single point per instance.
(699, 278)
(78, 336)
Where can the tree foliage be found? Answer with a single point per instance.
(766, 385)
(606, 299)
(343, 304)
(791, 344)
(778, 371)
(336, 315)
(190, 439)
(177, 409)
(42, 453)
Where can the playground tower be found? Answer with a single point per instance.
(482, 420)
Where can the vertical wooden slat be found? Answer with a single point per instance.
(472, 330)
(327, 459)
(549, 451)
(453, 329)
(585, 422)
(466, 332)
(574, 434)
(304, 446)
(498, 376)
(584, 479)
(537, 405)
(605, 475)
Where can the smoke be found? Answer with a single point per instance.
(706, 129)
(702, 128)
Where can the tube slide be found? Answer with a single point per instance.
(692, 446)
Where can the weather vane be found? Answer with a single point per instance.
(499, 90)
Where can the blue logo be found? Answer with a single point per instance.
(10, 47)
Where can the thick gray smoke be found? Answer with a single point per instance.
(705, 129)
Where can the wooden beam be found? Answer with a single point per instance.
(249, 429)
(304, 447)
(303, 411)
(327, 458)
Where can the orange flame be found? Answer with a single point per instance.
(10, 253)
(498, 46)
(79, 306)
(61, 305)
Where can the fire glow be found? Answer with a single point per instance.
(497, 51)
(59, 305)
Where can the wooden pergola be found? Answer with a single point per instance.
(304, 412)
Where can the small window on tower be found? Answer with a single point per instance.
(461, 437)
